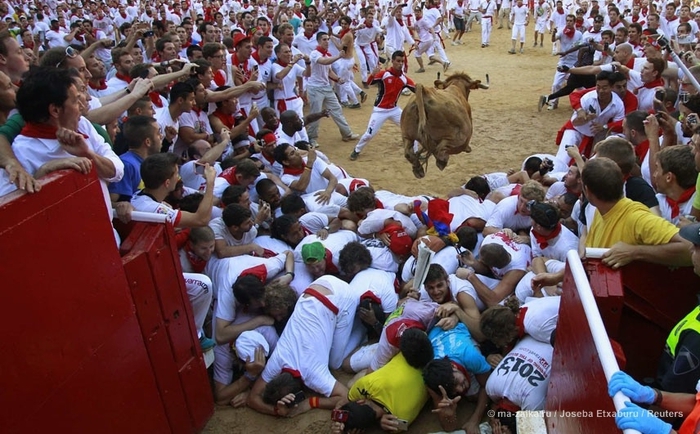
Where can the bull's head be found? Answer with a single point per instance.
(466, 81)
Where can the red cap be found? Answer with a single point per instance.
(401, 242)
(238, 38)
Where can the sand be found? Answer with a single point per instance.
(507, 129)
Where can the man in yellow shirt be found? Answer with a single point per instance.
(627, 228)
(393, 395)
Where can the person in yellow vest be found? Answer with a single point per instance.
(381, 398)
(679, 368)
(635, 417)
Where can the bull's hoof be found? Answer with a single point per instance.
(418, 171)
(441, 164)
(467, 148)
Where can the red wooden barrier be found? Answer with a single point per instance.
(75, 359)
(639, 305)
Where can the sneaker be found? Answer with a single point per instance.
(206, 344)
(551, 106)
(406, 91)
(540, 45)
(419, 70)
(431, 61)
(446, 66)
(354, 106)
(363, 97)
(511, 51)
(521, 51)
(483, 45)
(354, 155)
(365, 85)
(534, 45)
(344, 104)
(351, 137)
(459, 42)
(541, 103)
(454, 43)
(314, 143)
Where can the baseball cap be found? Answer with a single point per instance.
(400, 242)
(313, 252)
(543, 214)
(248, 342)
(579, 11)
(417, 8)
(238, 38)
(691, 233)
(599, 18)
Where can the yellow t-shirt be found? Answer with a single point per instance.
(630, 222)
(397, 386)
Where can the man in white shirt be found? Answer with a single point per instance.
(519, 19)
(181, 101)
(320, 93)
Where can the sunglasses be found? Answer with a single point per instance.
(70, 54)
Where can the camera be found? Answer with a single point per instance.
(298, 398)
(338, 415)
(148, 34)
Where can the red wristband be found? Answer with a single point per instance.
(313, 402)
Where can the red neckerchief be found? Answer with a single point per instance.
(323, 51)
(155, 99)
(635, 18)
(520, 321)
(230, 175)
(460, 368)
(243, 66)
(674, 18)
(579, 23)
(344, 32)
(271, 17)
(298, 14)
(186, 44)
(294, 373)
(560, 10)
(645, 11)
(355, 184)
(659, 82)
(569, 32)
(220, 77)
(270, 160)
(685, 20)
(543, 240)
(378, 204)
(229, 121)
(197, 110)
(256, 56)
(39, 131)
(292, 171)
(29, 45)
(123, 77)
(369, 24)
(400, 21)
(308, 35)
(123, 14)
(330, 266)
(101, 85)
(195, 261)
(641, 150)
(283, 64)
(674, 204)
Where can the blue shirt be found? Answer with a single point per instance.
(457, 345)
(129, 184)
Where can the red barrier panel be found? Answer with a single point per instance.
(76, 357)
(639, 305)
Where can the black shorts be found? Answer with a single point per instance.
(459, 23)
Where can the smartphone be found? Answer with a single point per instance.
(403, 425)
(148, 34)
(255, 67)
(113, 44)
(144, 74)
(199, 168)
(298, 398)
(338, 415)
(660, 95)
(693, 120)
(591, 109)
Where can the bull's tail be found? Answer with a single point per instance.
(421, 112)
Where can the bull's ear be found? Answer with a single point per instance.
(439, 84)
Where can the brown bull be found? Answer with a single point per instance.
(440, 120)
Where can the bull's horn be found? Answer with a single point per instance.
(487, 80)
(483, 86)
(438, 75)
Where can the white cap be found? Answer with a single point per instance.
(248, 342)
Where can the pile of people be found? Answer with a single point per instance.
(209, 114)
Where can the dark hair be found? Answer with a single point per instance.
(361, 199)
(292, 204)
(160, 43)
(354, 253)
(180, 90)
(437, 373)
(416, 348)
(279, 152)
(467, 237)
(156, 169)
(247, 169)
(263, 185)
(360, 416)
(263, 39)
(232, 194)
(635, 121)
(494, 255)
(42, 87)
(137, 129)
(603, 178)
(508, 419)
(679, 161)
(435, 273)
(138, 69)
(604, 76)
(190, 51)
(319, 35)
(247, 289)
(140, 103)
(210, 48)
(190, 203)
(532, 165)
(480, 186)
(397, 53)
(620, 151)
(280, 386)
(281, 226)
(235, 214)
(498, 325)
